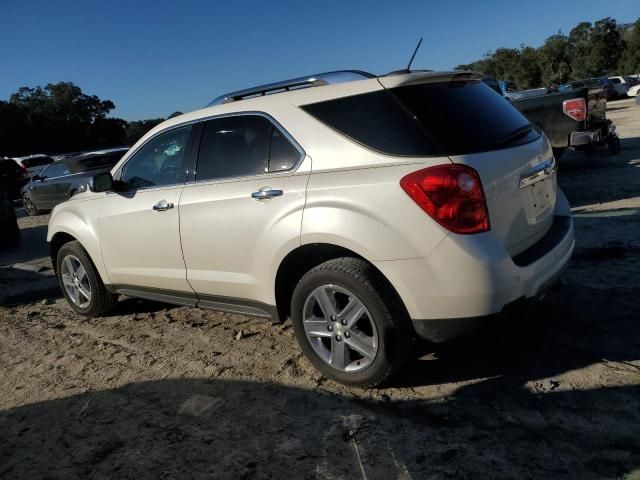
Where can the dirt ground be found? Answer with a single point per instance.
(160, 392)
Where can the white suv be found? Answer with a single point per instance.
(368, 209)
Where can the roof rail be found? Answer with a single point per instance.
(327, 78)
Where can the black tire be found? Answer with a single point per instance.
(101, 299)
(394, 330)
(10, 236)
(614, 144)
(558, 152)
(30, 207)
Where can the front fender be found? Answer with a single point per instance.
(80, 220)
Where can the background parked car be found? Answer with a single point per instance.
(33, 164)
(620, 85)
(591, 82)
(13, 177)
(62, 179)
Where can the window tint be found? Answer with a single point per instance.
(615, 80)
(234, 147)
(447, 118)
(375, 120)
(159, 162)
(55, 170)
(282, 154)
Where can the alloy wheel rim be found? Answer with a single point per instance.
(75, 281)
(340, 328)
(28, 205)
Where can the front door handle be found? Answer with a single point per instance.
(265, 193)
(162, 206)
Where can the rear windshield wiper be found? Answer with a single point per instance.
(515, 135)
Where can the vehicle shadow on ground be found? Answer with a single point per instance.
(200, 428)
(133, 306)
(572, 328)
(19, 287)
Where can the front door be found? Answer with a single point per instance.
(139, 222)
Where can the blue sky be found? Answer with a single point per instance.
(152, 58)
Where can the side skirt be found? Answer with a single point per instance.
(210, 302)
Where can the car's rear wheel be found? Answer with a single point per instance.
(30, 206)
(80, 282)
(558, 152)
(349, 322)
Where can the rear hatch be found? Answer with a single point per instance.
(466, 120)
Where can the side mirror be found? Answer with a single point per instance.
(35, 178)
(103, 182)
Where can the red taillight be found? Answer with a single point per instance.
(576, 108)
(452, 195)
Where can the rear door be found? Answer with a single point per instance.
(44, 192)
(244, 208)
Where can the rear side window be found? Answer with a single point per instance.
(375, 120)
(55, 170)
(446, 118)
(241, 146)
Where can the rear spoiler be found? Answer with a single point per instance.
(418, 78)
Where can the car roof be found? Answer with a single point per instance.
(103, 151)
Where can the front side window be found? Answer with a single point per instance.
(243, 145)
(159, 162)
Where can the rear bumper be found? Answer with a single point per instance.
(469, 278)
(581, 139)
(577, 139)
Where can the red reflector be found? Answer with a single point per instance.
(576, 108)
(452, 195)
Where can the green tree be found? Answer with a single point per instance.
(630, 58)
(579, 41)
(605, 47)
(137, 129)
(60, 117)
(554, 59)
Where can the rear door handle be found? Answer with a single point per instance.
(162, 206)
(265, 193)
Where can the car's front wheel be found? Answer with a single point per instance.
(80, 282)
(349, 322)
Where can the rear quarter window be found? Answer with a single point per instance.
(431, 119)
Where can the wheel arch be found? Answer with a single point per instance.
(302, 259)
(68, 225)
